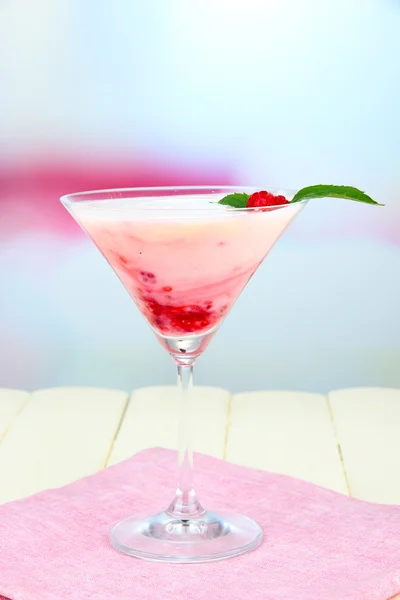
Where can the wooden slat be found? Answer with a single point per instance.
(11, 404)
(61, 435)
(152, 420)
(51, 437)
(368, 428)
(286, 432)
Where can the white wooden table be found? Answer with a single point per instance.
(348, 441)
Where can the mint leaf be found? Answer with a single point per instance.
(236, 200)
(333, 191)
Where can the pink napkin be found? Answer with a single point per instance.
(318, 544)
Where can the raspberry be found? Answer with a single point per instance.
(183, 319)
(117, 259)
(263, 198)
(147, 277)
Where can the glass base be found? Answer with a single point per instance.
(162, 538)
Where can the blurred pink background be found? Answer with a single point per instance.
(289, 93)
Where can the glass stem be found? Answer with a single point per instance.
(185, 505)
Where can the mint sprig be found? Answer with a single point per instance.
(236, 200)
(333, 191)
(239, 200)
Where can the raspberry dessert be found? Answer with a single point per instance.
(184, 263)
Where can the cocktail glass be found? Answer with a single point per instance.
(184, 259)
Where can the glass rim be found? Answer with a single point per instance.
(109, 194)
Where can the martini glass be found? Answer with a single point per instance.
(184, 259)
